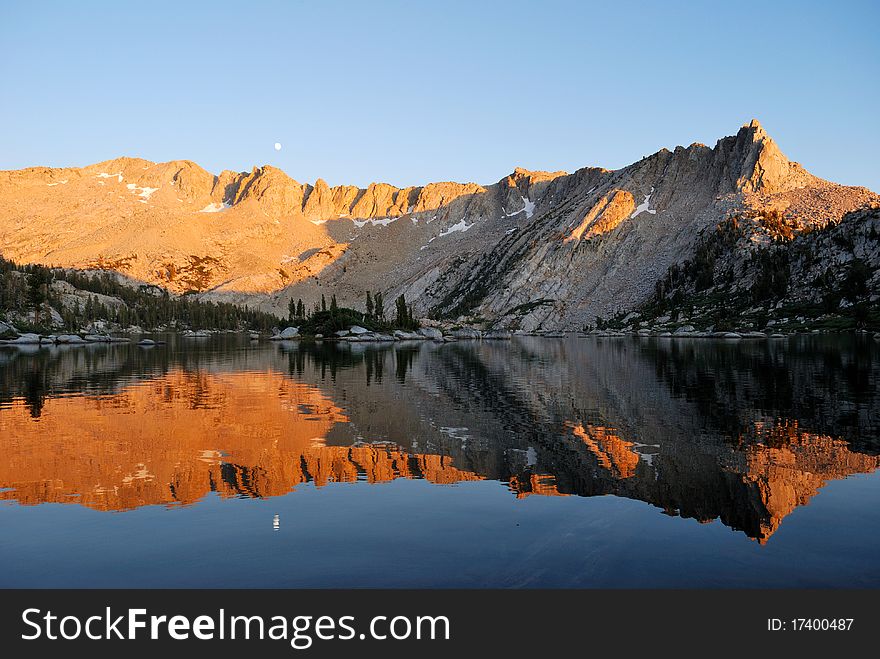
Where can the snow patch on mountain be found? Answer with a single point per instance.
(383, 221)
(215, 208)
(644, 206)
(142, 192)
(458, 226)
(528, 207)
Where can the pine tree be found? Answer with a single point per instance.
(291, 310)
(323, 303)
(333, 305)
(38, 290)
(379, 305)
(401, 319)
(369, 305)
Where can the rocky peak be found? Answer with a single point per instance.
(318, 200)
(761, 165)
(277, 193)
(191, 181)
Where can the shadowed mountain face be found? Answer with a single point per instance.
(535, 249)
(742, 433)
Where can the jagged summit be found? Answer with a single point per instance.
(765, 168)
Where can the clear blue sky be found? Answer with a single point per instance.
(411, 92)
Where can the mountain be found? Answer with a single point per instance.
(536, 250)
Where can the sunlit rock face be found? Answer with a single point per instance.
(708, 432)
(585, 244)
(605, 216)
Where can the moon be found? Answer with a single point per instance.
(278, 146)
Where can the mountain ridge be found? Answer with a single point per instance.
(561, 248)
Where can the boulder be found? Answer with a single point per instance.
(406, 336)
(96, 338)
(254, 336)
(498, 335)
(47, 340)
(341, 333)
(431, 333)
(731, 335)
(466, 333)
(55, 319)
(7, 330)
(286, 334)
(96, 326)
(357, 329)
(146, 342)
(685, 329)
(27, 339)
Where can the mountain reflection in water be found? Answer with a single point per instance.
(744, 433)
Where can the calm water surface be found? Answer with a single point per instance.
(530, 463)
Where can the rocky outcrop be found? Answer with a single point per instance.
(774, 274)
(604, 216)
